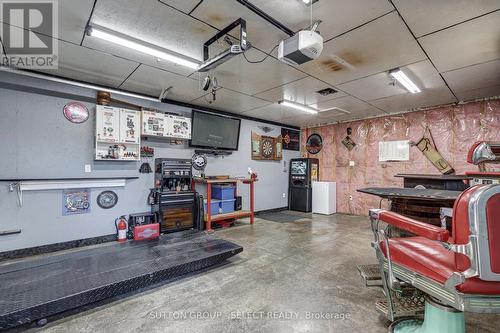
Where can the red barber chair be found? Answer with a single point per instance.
(457, 272)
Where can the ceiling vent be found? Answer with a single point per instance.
(326, 91)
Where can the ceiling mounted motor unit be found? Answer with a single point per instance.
(233, 50)
(304, 46)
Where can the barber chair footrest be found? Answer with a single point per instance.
(370, 275)
(437, 319)
(403, 306)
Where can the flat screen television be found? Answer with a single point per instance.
(212, 131)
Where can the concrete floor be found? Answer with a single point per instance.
(291, 270)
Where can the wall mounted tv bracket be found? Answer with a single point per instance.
(233, 50)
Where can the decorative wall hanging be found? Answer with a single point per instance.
(76, 112)
(291, 139)
(266, 147)
(266, 129)
(347, 142)
(76, 201)
(107, 199)
(428, 147)
(314, 143)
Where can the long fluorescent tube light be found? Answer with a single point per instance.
(404, 80)
(114, 38)
(77, 84)
(298, 106)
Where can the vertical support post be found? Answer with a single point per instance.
(209, 207)
(251, 201)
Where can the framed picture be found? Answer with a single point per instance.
(290, 139)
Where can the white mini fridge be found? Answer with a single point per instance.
(324, 198)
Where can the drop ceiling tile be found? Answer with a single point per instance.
(155, 24)
(337, 16)
(474, 78)
(221, 13)
(183, 5)
(80, 63)
(472, 94)
(425, 16)
(407, 102)
(230, 101)
(378, 46)
(302, 91)
(151, 81)
(237, 74)
(422, 73)
(466, 44)
(72, 19)
(347, 103)
(355, 115)
(274, 112)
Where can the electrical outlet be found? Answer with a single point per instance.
(88, 168)
(352, 163)
(284, 195)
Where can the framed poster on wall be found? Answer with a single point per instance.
(76, 201)
(291, 139)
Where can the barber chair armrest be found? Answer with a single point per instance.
(416, 227)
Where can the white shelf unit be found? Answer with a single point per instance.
(117, 135)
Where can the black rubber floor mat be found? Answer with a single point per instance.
(37, 288)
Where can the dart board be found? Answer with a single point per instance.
(267, 147)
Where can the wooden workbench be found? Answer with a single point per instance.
(209, 218)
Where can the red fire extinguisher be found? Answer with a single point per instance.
(121, 228)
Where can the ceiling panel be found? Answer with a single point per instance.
(80, 63)
(378, 46)
(301, 91)
(183, 5)
(422, 73)
(73, 17)
(237, 74)
(407, 102)
(230, 101)
(154, 23)
(474, 77)
(425, 16)
(338, 16)
(151, 81)
(347, 103)
(468, 95)
(220, 13)
(275, 112)
(466, 44)
(330, 117)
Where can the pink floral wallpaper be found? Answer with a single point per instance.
(454, 128)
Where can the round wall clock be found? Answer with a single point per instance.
(76, 112)
(199, 162)
(314, 143)
(267, 147)
(107, 199)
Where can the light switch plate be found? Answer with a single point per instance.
(88, 168)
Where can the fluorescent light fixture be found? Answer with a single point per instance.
(298, 106)
(115, 39)
(404, 80)
(337, 109)
(76, 84)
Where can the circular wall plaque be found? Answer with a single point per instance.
(199, 162)
(76, 112)
(107, 199)
(314, 144)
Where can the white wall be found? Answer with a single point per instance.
(36, 141)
